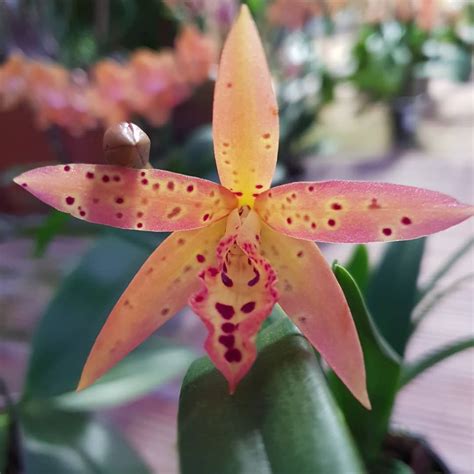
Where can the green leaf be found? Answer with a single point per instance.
(445, 268)
(393, 466)
(358, 267)
(77, 313)
(392, 291)
(56, 442)
(382, 367)
(414, 369)
(51, 226)
(433, 298)
(150, 365)
(281, 420)
(4, 440)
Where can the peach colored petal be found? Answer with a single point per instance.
(128, 198)
(356, 211)
(245, 117)
(312, 298)
(160, 288)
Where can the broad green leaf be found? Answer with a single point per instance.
(411, 370)
(432, 299)
(76, 314)
(358, 267)
(382, 367)
(56, 442)
(392, 291)
(4, 440)
(445, 268)
(52, 225)
(153, 363)
(281, 420)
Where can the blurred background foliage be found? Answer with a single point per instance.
(70, 69)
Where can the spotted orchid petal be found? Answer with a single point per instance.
(354, 211)
(237, 295)
(312, 298)
(128, 198)
(245, 117)
(160, 288)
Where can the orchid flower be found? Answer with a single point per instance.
(240, 247)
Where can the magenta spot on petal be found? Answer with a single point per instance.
(228, 327)
(142, 173)
(119, 200)
(105, 178)
(310, 189)
(299, 254)
(226, 280)
(331, 222)
(255, 279)
(336, 206)
(70, 200)
(170, 185)
(227, 341)
(165, 311)
(233, 355)
(205, 217)
(156, 186)
(144, 182)
(387, 231)
(139, 214)
(313, 225)
(200, 258)
(259, 186)
(67, 168)
(116, 178)
(190, 188)
(199, 298)
(289, 220)
(119, 215)
(139, 225)
(82, 213)
(24, 185)
(90, 175)
(406, 221)
(213, 271)
(248, 307)
(225, 310)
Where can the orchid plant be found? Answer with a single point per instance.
(240, 247)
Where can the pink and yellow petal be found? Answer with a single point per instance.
(160, 288)
(355, 211)
(128, 198)
(312, 298)
(245, 117)
(237, 295)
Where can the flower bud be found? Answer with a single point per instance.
(126, 144)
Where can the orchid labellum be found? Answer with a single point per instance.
(240, 247)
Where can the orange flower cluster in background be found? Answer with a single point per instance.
(149, 84)
(293, 14)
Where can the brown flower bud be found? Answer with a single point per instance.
(126, 144)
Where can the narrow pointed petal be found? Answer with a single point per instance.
(237, 295)
(128, 198)
(245, 117)
(160, 288)
(356, 211)
(312, 298)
